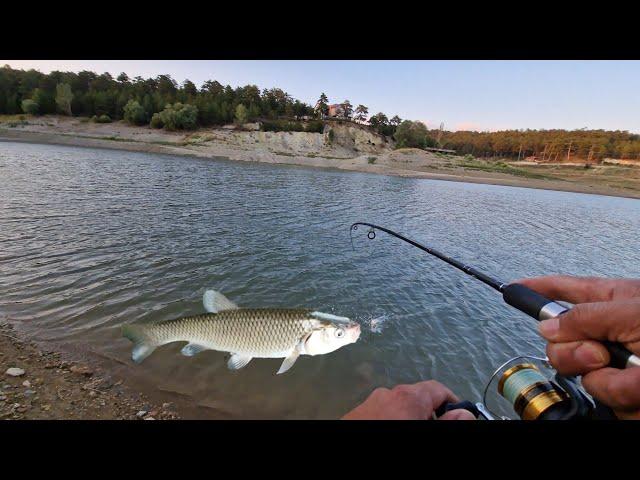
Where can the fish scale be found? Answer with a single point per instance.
(259, 332)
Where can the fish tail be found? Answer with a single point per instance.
(143, 344)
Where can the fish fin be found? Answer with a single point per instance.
(191, 349)
(215, 302)
(237, 361)
(289, 361)
(143, 345)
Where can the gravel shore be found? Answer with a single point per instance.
(39, 384)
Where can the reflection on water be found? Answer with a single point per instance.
(92, 239)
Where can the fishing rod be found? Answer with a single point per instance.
(536, 306)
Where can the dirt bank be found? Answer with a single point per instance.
(38, 383)
(349, 148)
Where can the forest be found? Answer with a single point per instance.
(163, 103)
(545, 145)
(90, 94)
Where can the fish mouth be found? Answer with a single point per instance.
(353, 332)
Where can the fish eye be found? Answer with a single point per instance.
(339, 333)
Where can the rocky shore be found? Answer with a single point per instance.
(43, 384)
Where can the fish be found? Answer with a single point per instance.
(246, 333)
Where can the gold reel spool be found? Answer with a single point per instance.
(529, 391)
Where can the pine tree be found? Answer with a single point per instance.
(361, 114)
(347, 109)
(322, 106)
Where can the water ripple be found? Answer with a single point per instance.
(94, 239)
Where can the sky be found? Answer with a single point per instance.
(463, 94)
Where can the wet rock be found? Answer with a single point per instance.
(14, 372)
(106, 384)
(141, 413)
(29, 393)
(86, 371)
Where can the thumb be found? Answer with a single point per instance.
(616, 321)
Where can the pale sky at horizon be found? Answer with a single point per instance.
(464, 94)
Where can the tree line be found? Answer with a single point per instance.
(545, 145)
(160, 102)
(90, 94)
(139, 101)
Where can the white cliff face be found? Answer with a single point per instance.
(346, 141)
(358, 139)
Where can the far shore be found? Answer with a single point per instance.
(259, 147)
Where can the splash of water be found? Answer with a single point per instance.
(375, 324)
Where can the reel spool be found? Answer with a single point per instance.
(532, 395)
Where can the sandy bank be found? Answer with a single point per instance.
(351, 152)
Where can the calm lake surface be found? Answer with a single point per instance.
(92, 239)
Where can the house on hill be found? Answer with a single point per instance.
(336, 110)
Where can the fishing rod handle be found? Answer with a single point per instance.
(541, 308)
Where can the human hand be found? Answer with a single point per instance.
(606, 309)
(408, 402)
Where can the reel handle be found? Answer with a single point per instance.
(541, 308)
(465, 405)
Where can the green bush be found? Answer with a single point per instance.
(241, 114)
(101, 119)
(371, 160)
(179, 116)
(331, 136)
(134, 113)
(156, 121)
(315, 126)
(30, 107)
(413, 135)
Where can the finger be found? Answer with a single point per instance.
(619, 389)
(577, 358)
(459, 414)
(437, 392)
(582, 289)
(616, 321)
(625, 415)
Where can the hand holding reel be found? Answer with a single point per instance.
(533, 395)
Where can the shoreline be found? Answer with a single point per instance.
(355, 164)
(50, 383)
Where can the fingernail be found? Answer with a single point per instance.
(589, 356)
(549, 328)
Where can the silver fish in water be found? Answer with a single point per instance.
(246, 333)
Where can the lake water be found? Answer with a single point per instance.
(91, 239)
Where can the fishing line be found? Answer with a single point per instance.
(519, 296)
